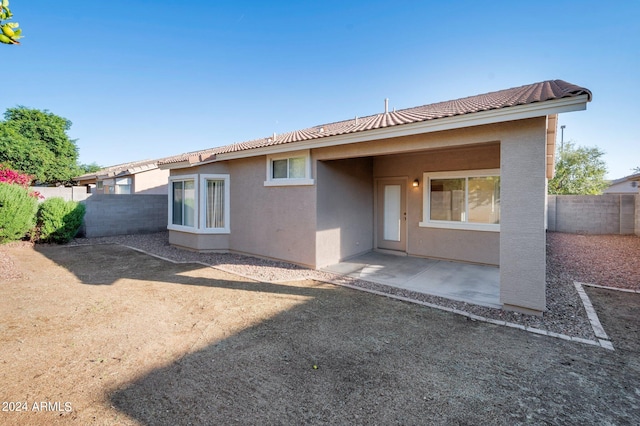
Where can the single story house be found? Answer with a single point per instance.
(626, 185)
(464, 180)
(140, 177)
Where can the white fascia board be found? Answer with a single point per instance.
(520, 112)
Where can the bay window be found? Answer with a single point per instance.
(182, 204)
(215, 203)
(199, 203)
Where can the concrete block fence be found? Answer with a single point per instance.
(122, 214)
(579, 214)
(68, 193)
(594, 214)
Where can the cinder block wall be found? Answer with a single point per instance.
(124, 214)
(593, 214)
(627, 214)
(73, 193)
(637, 220)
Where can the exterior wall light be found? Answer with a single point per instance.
(416, 183)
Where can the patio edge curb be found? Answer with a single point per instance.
(598, 330)
(624, 290)
(602, 343)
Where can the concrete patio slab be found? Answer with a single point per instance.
(477, 284)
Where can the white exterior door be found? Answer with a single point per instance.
(391, 214)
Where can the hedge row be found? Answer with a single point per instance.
(53, 221)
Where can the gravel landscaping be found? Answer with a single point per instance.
(606, 260)
(596, 259)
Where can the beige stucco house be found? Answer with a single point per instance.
(139, 177)
(626, 185)
(464, 180)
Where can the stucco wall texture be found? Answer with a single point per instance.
(463, 245)
(150, 182)
(344, 209)
(273, 222)
(523, 188)
(333, 219)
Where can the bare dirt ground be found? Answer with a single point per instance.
(106, 335)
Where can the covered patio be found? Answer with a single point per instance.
(477, 284)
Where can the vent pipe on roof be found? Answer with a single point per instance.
(386, 105)
(356, 120)
(274, 136)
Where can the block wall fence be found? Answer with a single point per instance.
(68, 193)
(594, 214)
(109, 215)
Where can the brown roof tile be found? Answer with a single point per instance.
(127, 168)
(531, 93)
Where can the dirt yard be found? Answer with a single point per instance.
(106, 335)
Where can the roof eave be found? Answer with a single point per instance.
(519, 112)
(84, 177)
(177, 165)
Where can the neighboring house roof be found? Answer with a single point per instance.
(551, 90)
(635, 176)
(627, 184)
(120, 170)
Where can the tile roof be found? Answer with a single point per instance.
(635, 176)
(528, 94)
(119, 169)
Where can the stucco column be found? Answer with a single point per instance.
(522, 220)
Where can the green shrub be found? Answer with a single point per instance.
(17, 212)
(59, 220)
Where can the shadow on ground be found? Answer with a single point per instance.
(106, 264)
(380, 361)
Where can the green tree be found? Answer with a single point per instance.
(579, 170)
(9, 31)
(89, 168)
(36, 142)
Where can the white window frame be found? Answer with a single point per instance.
(121, 183)
(445, 224)
(307, 180)
(203, 206)
(183, 228)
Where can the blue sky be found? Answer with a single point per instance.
(148, 79)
